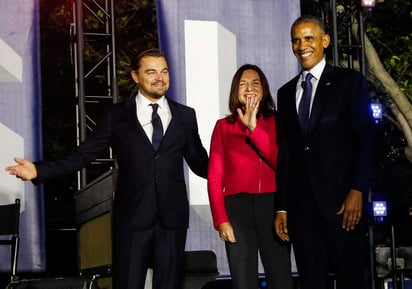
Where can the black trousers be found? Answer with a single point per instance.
(323, 247)
(157, 247)
(252, 217)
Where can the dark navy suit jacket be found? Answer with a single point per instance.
(151, 184)
(335, 154)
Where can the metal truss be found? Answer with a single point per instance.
(347, 46)
(94, 54)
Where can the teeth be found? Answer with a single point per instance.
(306, 54)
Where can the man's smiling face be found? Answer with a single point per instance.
(308, 44)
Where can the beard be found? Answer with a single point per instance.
(156, 95)
(153, 92)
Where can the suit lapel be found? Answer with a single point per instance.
(291, 101)
(134, 123)
(291, 104)
(322, 96)
(175, 122)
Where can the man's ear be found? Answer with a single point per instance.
(134, 76)
(326, 40)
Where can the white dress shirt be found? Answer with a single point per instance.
(316, 72)
(144, 113)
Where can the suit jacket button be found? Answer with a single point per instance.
(306, 148)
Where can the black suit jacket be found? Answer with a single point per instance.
(151, 185)
(335, 154)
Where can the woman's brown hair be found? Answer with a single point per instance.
(267, 105)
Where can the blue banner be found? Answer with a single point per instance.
(20, 125)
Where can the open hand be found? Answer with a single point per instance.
(24, 169)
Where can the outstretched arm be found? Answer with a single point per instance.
(24, 169)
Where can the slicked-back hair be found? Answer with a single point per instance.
(267, 105)
(153, 52)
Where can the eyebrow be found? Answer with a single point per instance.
(307, 37)
(154, 70)
(256, 79)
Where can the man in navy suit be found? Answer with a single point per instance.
(150, 210)
(325, 157)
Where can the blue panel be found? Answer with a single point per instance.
(20, 111)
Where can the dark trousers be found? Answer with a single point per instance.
(252, 216)
(322, 247)
(157, 247)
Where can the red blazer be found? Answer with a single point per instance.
(240, 162)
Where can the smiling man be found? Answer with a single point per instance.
(324, 163)
(150, 209)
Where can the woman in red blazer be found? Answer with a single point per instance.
(242, 183)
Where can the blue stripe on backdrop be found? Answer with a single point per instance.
(262, 31)
(20, 124)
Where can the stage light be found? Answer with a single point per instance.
(368, 3)
(379, 209)
(376, 111)
(263, 284)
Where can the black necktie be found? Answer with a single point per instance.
(304, 105)
(157, 127)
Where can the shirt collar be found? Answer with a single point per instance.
(317, 70)
(142, 101)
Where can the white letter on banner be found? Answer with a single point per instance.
(12, 145)
(11, 64)
(210, 55)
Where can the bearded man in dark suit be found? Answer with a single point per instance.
(326, 162)
(150, 210)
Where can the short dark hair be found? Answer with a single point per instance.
(311, 19)
(153, 52)
(267, 105)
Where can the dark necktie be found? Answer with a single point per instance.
(304, 105)
(157, 127)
